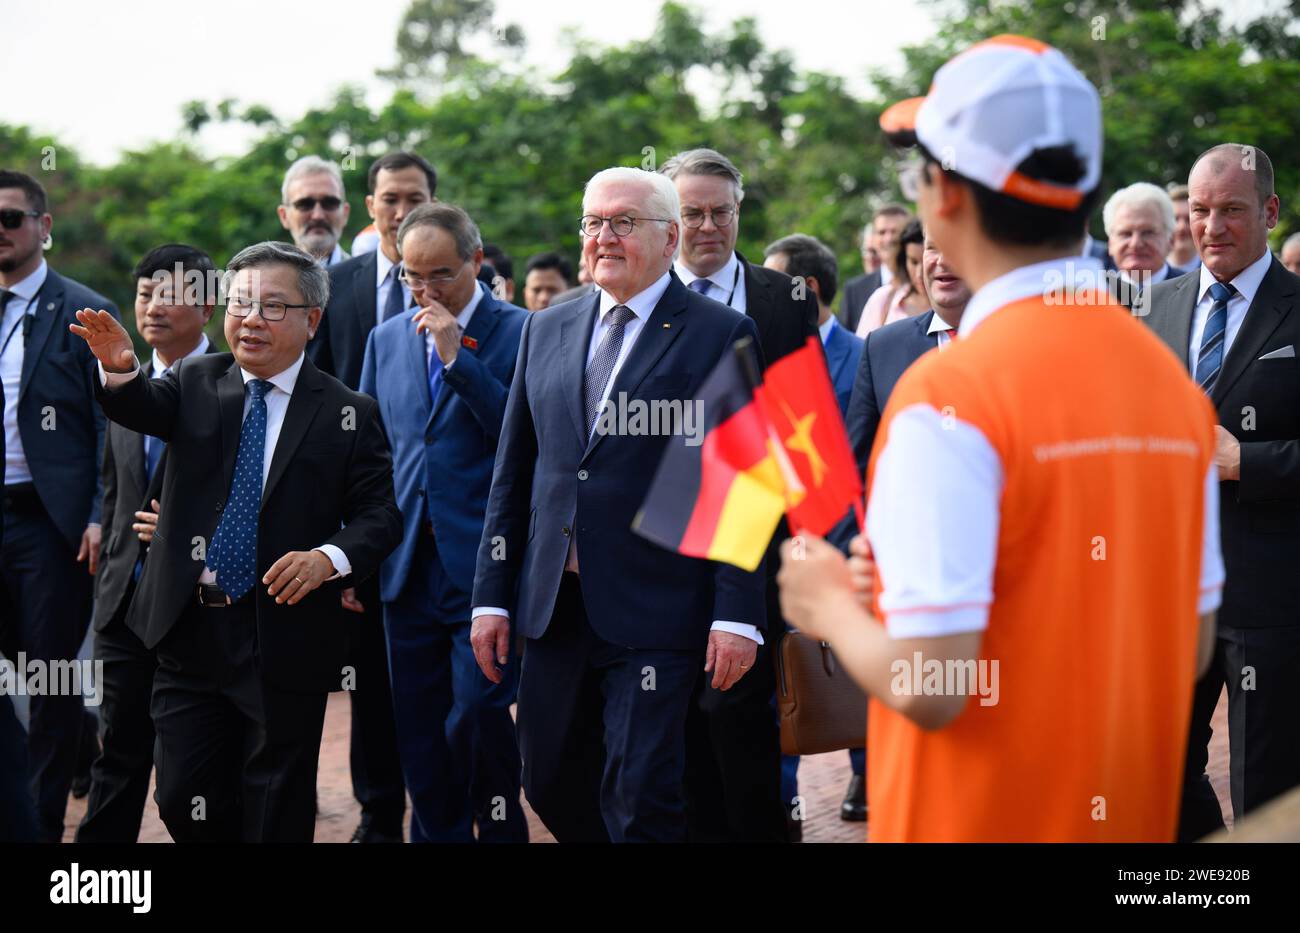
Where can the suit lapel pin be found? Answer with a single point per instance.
(50, 306)
(667, 326)
(469, 343)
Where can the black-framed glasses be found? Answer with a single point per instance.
(269, 310)
(722, 217)
(621, 224)
(11, 218)
(329, 204)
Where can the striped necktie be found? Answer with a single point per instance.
(1210, 358)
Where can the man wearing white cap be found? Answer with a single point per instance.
(1031, 673)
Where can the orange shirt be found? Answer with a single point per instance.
(1045, 481)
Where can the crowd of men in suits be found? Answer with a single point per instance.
(393, 485)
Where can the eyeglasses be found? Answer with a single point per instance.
(329, 205)
(421, 281)
(11, 218)
(722, 217)
(621, 224)
(269, 310)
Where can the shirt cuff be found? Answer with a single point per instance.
(738, 628)
(937, 622)
(113, 380)
(342, 566)
(487, 611)
(1209, 600)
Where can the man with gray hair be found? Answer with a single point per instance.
(1139, 222)
(278, 492)
(617, 628)
(314, 208)
(441, 373)
(733, 772)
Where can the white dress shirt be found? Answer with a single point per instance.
(385, 276)
(277, 404)
(727, 285)
(462, 319)
(886, 274)
(1246, 283)
(1143, 282)
(11, 370)
(825, 329)
(641, 306)
(941, 330)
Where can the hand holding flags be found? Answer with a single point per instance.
(770, 447)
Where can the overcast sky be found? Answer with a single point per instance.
(123, 70)
(111, 76)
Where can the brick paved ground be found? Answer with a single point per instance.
(822, 779)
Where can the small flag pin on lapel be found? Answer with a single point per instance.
(469, 342)
(667, 326)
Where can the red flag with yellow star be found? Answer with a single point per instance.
(798, 402)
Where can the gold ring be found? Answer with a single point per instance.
(297, 579)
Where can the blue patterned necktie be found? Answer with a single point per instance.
(435, 376)
(701, 286)
(602, 364)
(1210, 358)
(233, 554)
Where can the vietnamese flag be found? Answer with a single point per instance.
(798, 402)
(721, 499)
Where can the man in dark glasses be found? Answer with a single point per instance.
(54, 432)
(314, 209)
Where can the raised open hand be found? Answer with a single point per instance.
(107, 339)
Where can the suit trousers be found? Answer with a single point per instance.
(45, 601)
(733, 754)
(457, 740)
(372, 754)
(17, 810)
(120, 775)
(236, 758)
(602, 731)
(1259, 667)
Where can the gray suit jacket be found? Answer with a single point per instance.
(1257, 396)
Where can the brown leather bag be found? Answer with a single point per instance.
(822, 708)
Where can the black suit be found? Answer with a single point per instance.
(339, 349)
(44, 592)
(247, 683)
(120, 775)
(733, 758)
(1258, 401)
(853, 298)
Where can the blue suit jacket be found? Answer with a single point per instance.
(58, 382)
(443, 453)
(843, 350)
(550, 482)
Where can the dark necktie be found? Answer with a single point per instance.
(396, 302)
(5, 295)
(435, 376)
(1210, 358)
(602, 364)
(153, 447)
(701, 286)
(233, 554)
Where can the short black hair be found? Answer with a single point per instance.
(30, 186)
(913, 235)
(167, 257)
(806, 258)
(1014, 222)
(550, 260)
(502, 263)
(395, 162)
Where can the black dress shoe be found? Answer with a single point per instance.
(373, 830)
(854, 807)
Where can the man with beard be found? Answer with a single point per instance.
(314, 209)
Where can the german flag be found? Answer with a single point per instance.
(770, 448)
(721, 499)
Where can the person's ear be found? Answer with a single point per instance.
(283, 213)
(1271, 209)
(208, 310)
(673, 233)
(370, 206)
(313, 321)
(346, 211)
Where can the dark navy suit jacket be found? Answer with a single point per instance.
(350, 315)
(442, 456)
(843, 351)
(550, 482)
(60, 422)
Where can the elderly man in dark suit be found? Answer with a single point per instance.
(365, 291)
(175, 292)
(879, 237)
(1139, 223)
(617, 628)
(733, 773)
(54, 437)
(1235, 324)
(278, 492)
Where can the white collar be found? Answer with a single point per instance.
(159, 368)
(886, 276)
(1060, 275)
(724, 278)
(1143, 282)
(825, 329)
(284, 380)
(1247, 281)
(30, 287)
(336, 256)
(382, 266)
(641, 303)
(937, 325)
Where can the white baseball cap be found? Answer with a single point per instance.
(994, 104)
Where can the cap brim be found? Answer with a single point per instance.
(898, 122)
